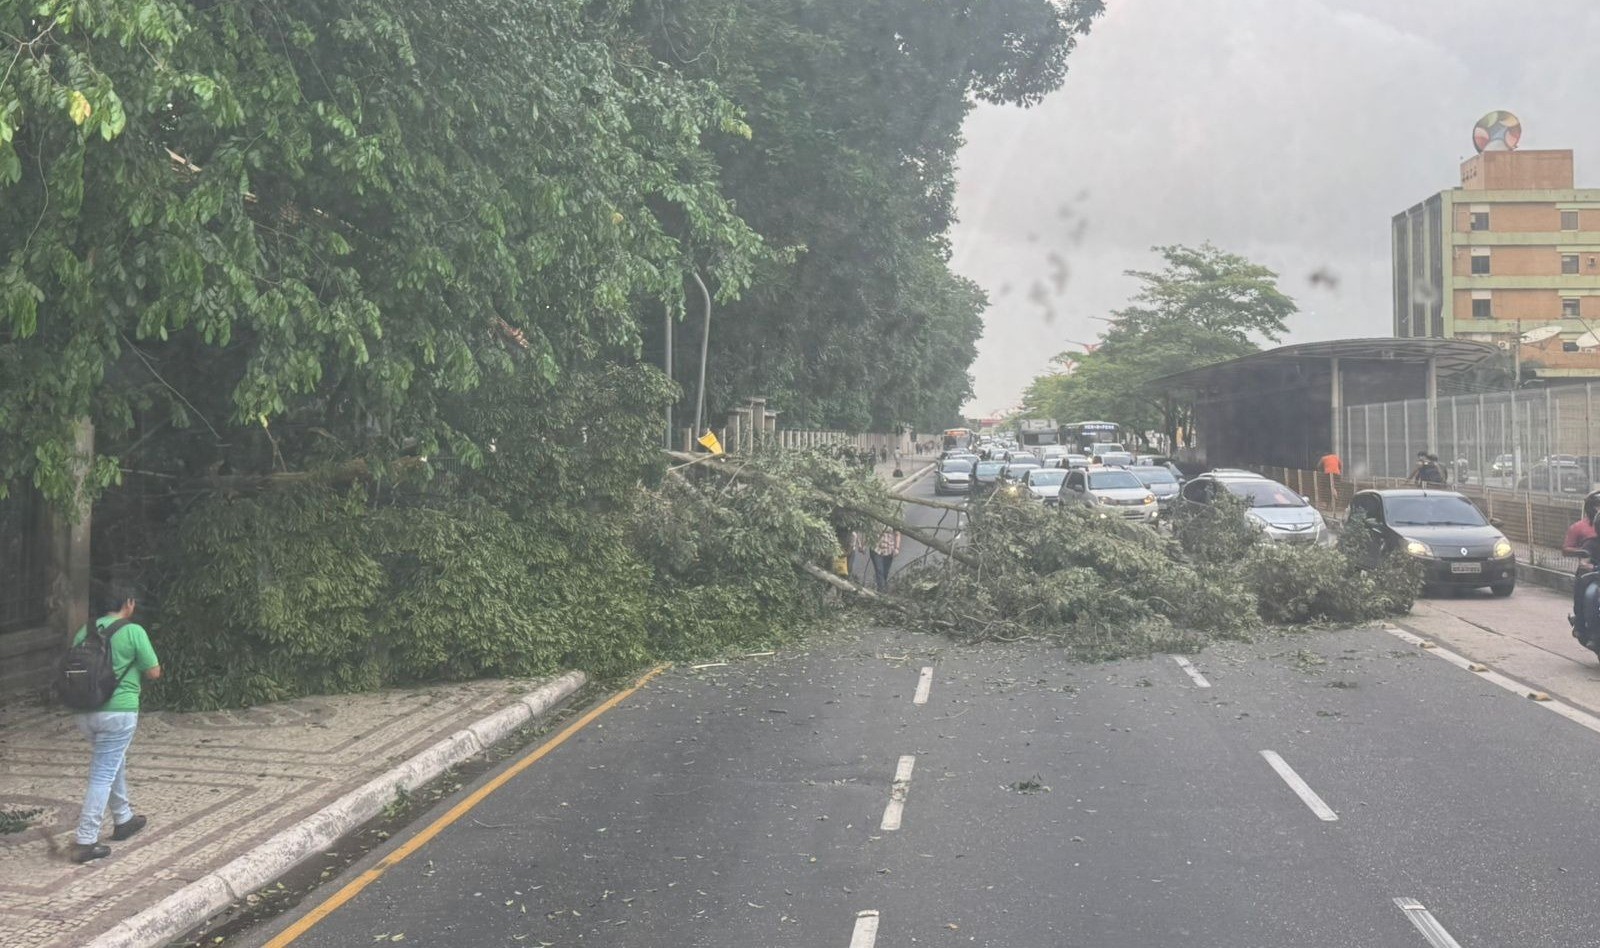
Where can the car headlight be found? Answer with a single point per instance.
(1418, 548)
(1149, 498)
(1502, 549)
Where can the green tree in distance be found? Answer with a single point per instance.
(1205, 306)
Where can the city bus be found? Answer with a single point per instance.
(958, 439)
(1079, 435)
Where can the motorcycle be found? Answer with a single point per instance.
(1585, 616)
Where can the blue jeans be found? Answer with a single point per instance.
(880, 569)
(109, 733)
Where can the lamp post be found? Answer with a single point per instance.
(705, 347)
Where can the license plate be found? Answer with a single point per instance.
(1466, 567)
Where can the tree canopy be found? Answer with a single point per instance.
(1206, 305)
(254, 236)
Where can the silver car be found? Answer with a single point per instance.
(1044, 483)
(1113, 491)
(1280, 513)
(1161, 482)
(955, 476)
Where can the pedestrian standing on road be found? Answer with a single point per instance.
(884, 550)
(1330, 464)
(110, 728)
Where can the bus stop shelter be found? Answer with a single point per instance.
(1285, 407)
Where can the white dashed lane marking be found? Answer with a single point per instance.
(924, 685)
(897, 794)
(1425, 923)
(1193, 672)
(866, 930)
(1300, 787)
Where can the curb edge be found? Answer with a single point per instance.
(901, 485)
(215, 890)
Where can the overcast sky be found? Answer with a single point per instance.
(1289, 131)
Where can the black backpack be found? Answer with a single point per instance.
(85, 678)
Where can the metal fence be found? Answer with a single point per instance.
(1535, 523)
(1545, 440)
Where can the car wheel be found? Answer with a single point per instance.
(1503, 589)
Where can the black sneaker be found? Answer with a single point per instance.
(87, 851)
(124, 830)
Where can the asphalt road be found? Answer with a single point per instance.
(1048, 804)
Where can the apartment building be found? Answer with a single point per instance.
(1515, 247)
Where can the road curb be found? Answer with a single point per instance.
(902, 485)
(216, 890)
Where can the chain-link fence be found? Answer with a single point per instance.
(1535, 523)
(1544, 441)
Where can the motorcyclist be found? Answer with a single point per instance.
(1583, 540)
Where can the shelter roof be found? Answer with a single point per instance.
(1451, 356)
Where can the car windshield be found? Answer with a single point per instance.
(1265, 493)
(1018, 467)
(990, 467)
(1109, 446)
(957, 467)
(1154, 475)
(1446, 511)
(1112, 480)
(1043, 477)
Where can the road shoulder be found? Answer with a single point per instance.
(1526, 637)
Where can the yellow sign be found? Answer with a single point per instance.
(710, 443)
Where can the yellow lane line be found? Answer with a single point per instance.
(354, 886)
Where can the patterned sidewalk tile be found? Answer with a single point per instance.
(214, 785)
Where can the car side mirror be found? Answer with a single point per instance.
(1305, 498)
(1496, 522)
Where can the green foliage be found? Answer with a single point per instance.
(856, 111)
(1205, 306)
(15, 820)
(1106, 588)
(360, 292)
(304, 590)
(374, 211)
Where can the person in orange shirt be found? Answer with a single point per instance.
(1330, 464)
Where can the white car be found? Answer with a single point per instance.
(1111, 453)
(1114, 491)
(1044, 483)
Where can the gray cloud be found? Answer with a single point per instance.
(1286, 130)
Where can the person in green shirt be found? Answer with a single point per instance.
(110, 730)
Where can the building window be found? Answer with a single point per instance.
(1482, 310)
(1569, 220)
(1480, 264)
(1480, 220)
(1569, 263)
(1570, 308)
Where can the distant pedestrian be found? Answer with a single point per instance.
(884, 550)
(1330, 464)
(1463, 466)
(110, 728)
(1433, 471)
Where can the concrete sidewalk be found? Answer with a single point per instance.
(216, 786)
(1525, 636)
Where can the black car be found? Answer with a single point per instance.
(1459, 548)
(985, 476)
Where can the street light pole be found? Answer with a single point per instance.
(705, 347)
(666, 364)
